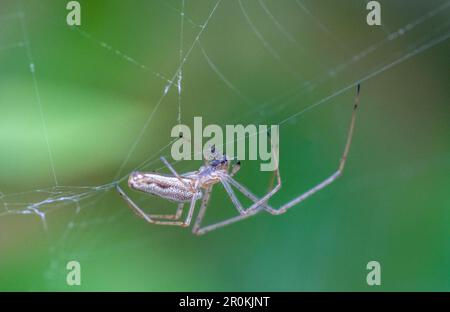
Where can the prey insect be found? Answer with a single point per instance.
(188, 188)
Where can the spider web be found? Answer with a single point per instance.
(86, 207)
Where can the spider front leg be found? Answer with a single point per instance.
(257, 202)
(203, 230)
(233, 197)
(312, 190)
(197, 229)
(260, 204)
(333, 176)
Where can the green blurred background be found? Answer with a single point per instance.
(391, 205)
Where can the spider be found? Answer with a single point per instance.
(193, 186)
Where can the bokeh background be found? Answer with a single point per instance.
(256, 62)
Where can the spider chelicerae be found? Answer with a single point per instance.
(193, 186)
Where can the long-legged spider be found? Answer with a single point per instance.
(192, 186)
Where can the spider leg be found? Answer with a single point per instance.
(257, 202)
(317, 187)
(218, 225)
(198, 230)
(333, 176)
(233, 197)
(245, 191)
(201, 213)
(288, 205)
(163, 159)
(235, 168)
(151, 218)
(258, 205)
(175, 216)
(261, 203)
(187, 222)
(244, 214)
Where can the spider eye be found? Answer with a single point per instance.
(215, 162)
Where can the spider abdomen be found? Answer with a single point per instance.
(166, 187)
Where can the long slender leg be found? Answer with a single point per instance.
(275, 189)
(248, 193)
(296, 200)
(244, 191)
(319, 186)
(281, 210)
(248, 213)
(255, 208)
(233, 197)
(257, 201)
(138, 211)
(176, 173)
(336, 174)
(218, 225)
(187, 222)
(244, 215)
(272, 181)
(175, 216)
(202, 210)
(272, 190)
(197, 229)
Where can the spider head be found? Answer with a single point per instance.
(217, 160)
(219, 163)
